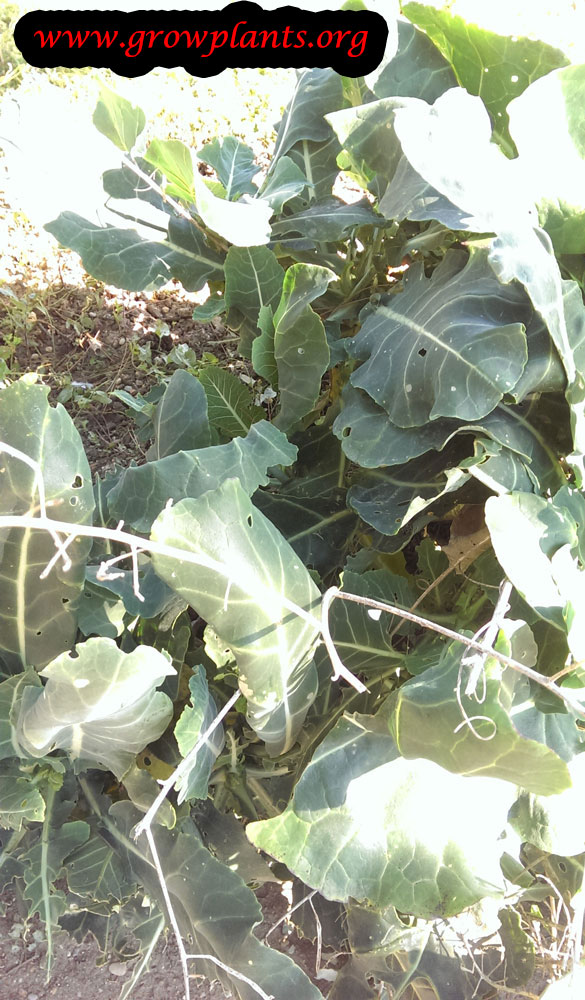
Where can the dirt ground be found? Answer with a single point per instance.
(86, 339)
(22, 951)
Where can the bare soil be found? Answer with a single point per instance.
(23, 951)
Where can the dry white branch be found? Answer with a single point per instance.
(572, 703)
(146, 822)
(238, 975)
(477, 661)
(339, 669)
(290, 910)
(39, 485)
(147, 545)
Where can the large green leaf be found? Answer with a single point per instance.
(366, 824)
(301, 351)
(230, 404)
(174, 160)
(496, 67)
(430, 721)
(10, 695)
(44, 864)
(253, 278)
(20, 799)
(100, 706)
(554, 823)
(416, 70)
(119, 120)
(527, 532)
(519, 454)
(370, 439)
(285, 182)
(180, 420)
(318, 162)
(242, 599)
(143, 491)
(233, 163)
(194, 720)
(408, 495)
(122, 258)
(552, 156)
(38, 618)
(449, 145)
(316, 91)
(216, 911)
(327, 220)
(448, 346)
(526, 255)
(368, 139)
(96, 870)
(317, 527)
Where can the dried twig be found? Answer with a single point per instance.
(572, 703)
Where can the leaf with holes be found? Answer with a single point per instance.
(448, 346)
(39, 616)
(497, 67)
(195, 719)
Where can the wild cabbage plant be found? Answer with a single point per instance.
(425, 343)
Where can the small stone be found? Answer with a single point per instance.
(33, 996)
(121, 341)
(118, 968)
(49, 349)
